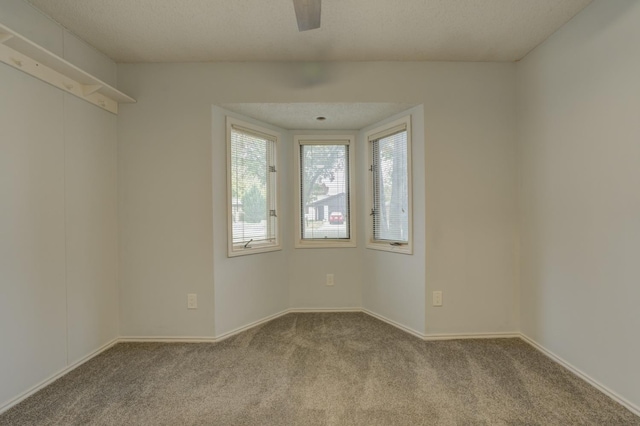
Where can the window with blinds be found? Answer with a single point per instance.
(324, 192)
(390, 188)
(253, 224)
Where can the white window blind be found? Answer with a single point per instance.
(390, 178)
(324, 191)
(253, 188)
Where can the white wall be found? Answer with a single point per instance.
(28, 21)
(166, 218)
(394, 284)
(58, 222)
(86, 57)
(91, 226)
(308, 267)
(58, 231)
(33, 321)
(578, 104)
(252, 287)
(308, 273)
(471, 212)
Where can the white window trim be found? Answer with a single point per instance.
(234, 250)
(348, 140)
(406, 248)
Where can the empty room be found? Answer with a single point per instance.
(307, 212)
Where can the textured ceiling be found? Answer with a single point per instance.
(302, 116)
(352, 30)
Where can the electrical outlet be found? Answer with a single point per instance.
(437, 298)
(330, 279)
(192, 301)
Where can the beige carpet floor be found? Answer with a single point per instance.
(321, 369)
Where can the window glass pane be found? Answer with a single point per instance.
(391, 188)
(324, 191)
(251, 188)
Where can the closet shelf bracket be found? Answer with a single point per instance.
(25, 55)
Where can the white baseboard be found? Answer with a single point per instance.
(226, 335)
(279, 314)
(442, 336)
(322, 310)
(14, 401)
(429, 337)
(458, 336)
(167, 339)
(250, 325)
(201, 339)
(394, 323)
(584, 376)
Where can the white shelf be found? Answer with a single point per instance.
(23, 54)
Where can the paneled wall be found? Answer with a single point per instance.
(58, 221)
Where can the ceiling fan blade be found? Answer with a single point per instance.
(307, 14)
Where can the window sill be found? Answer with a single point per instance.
(401, 249)
(328, 243)
(242, 251)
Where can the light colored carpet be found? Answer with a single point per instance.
(321, 369)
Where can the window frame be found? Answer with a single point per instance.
(370, 137)
(314, 139)
(234, 250)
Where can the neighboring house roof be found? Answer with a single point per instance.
(326, 200)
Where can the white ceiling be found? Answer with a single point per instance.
(352, 30)
(302, 116)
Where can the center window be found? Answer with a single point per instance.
(325, 191)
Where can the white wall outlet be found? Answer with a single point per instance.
(330, 279)
(437, 298)
(192, 301)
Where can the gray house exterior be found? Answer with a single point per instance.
(330, 204)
